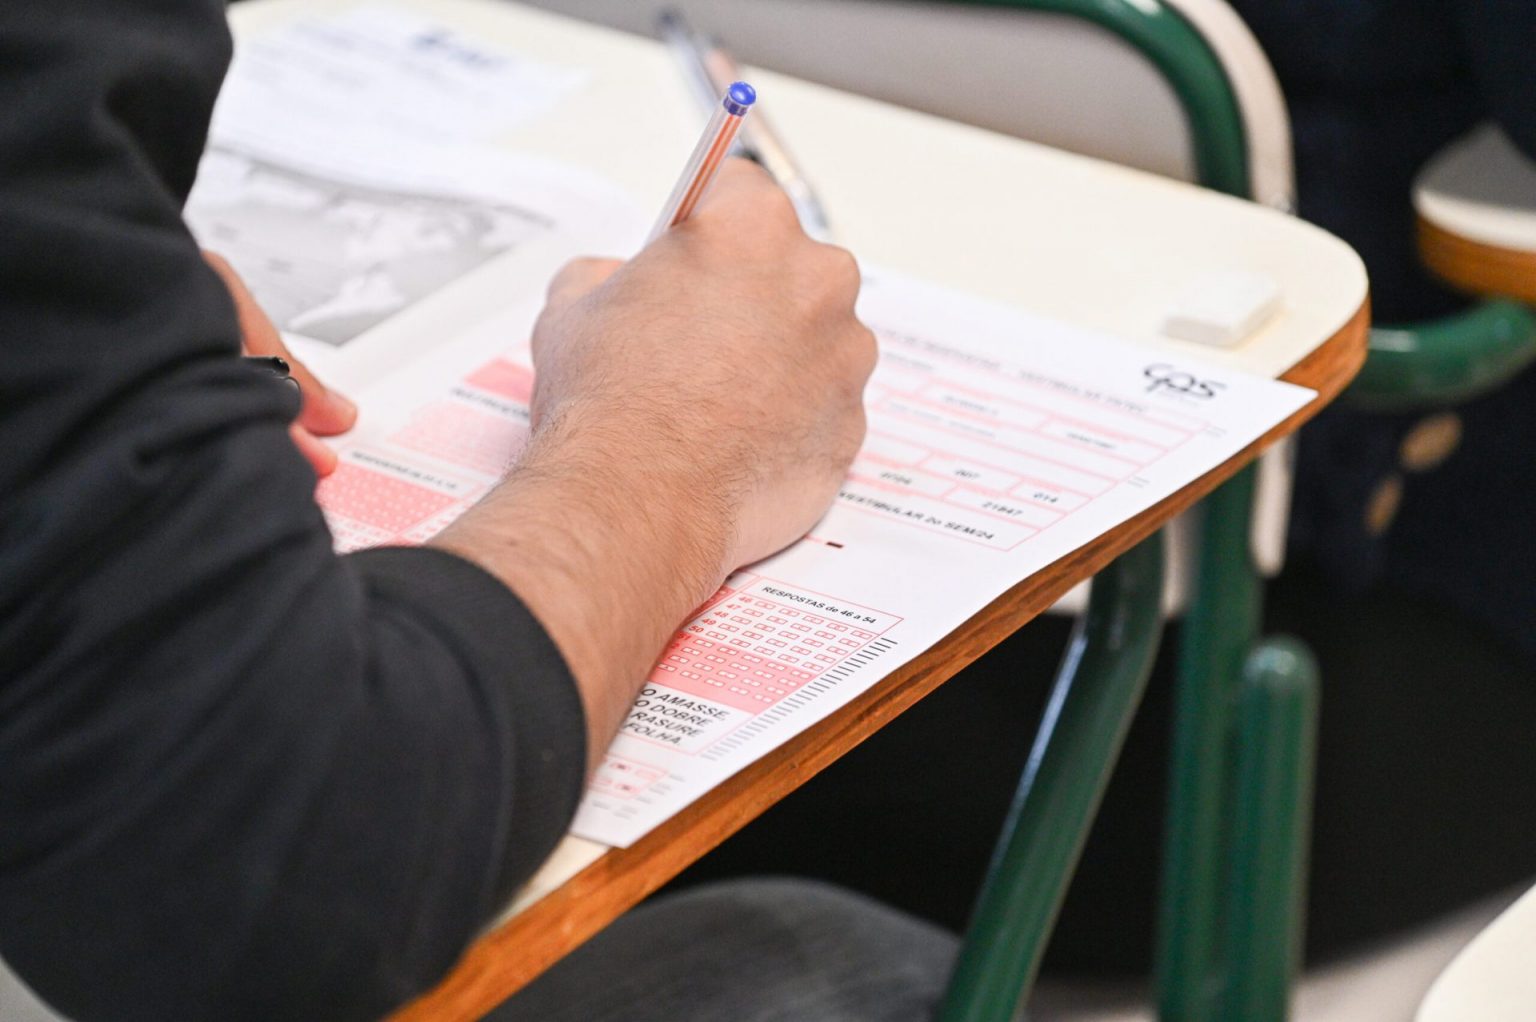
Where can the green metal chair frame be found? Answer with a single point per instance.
(1230, 923)
(1445, 361)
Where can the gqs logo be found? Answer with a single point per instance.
(1171, 378)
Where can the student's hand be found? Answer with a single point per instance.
(324, 411)
(694, 410)
(728, 358)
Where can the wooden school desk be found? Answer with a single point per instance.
(1476, 204)
(1054, 234)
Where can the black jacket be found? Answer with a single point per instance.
(240, 777)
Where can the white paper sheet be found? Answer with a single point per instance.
(998, 443)
(351, 170)
(386, 71)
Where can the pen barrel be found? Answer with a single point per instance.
(714, 145)
(761, 142)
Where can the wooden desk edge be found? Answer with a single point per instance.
(1477, 267)
(508, 958)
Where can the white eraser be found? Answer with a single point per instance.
(1223, 307)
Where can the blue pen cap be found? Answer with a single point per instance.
(738, 98)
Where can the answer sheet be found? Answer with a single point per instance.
(998, 442)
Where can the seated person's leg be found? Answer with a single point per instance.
(748, 951)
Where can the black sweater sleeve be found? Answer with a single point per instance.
(240, 777)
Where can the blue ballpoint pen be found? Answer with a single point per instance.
(708, 66)
(714, 145)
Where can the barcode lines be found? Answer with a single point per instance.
(776, 715)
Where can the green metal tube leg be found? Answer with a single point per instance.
(1445, 361)
(1276, 728)
(1219, 630)
(1097, 690)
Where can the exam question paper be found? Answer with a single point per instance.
(352, 169)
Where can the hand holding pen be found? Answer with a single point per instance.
(694, 409)
(771, 346)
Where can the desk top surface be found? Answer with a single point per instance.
(1060, 235)
(1064, 236)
